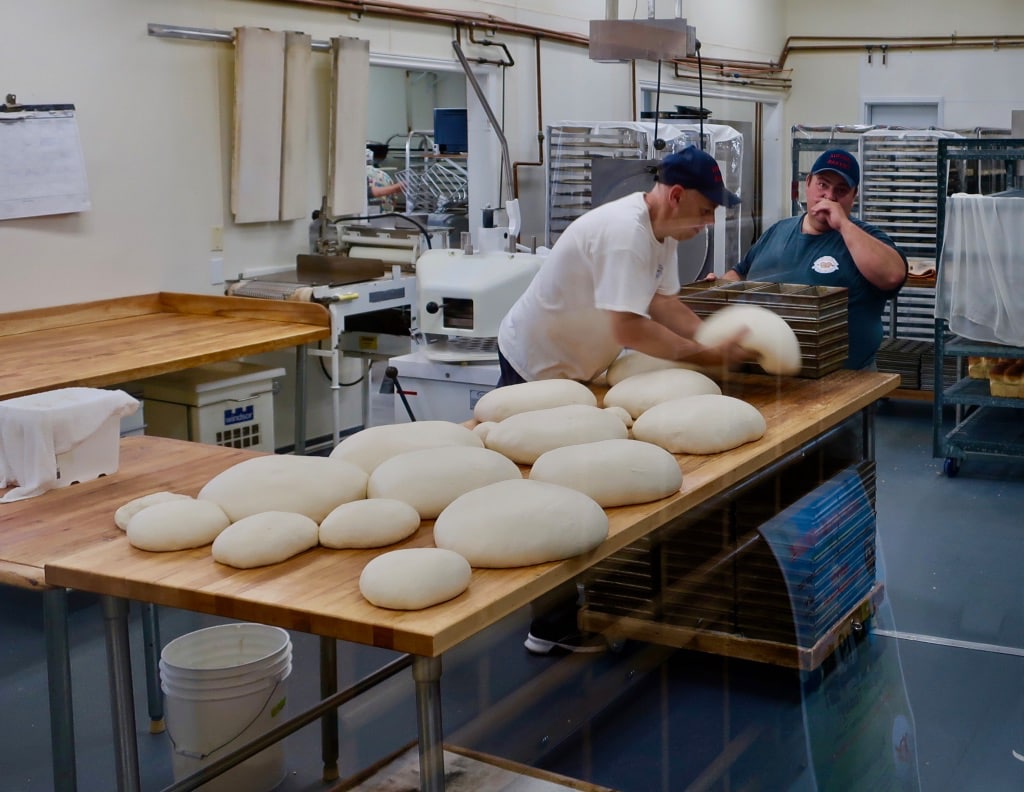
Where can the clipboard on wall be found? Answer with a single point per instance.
(42, 168)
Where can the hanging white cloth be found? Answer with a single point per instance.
(980, 287)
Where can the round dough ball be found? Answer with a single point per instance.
(124, 513)
(518, 523)
(414, 578)
(266, 538)
(769, 337)
(629, 363)
(430, 479)
(640, 392)
(500, 403)
(481, 430)
(612, 472)
(374, 522)
(311, 485)
(525, 436)
(369, 447)
(176, 524)
(705, 424)
(622, 414)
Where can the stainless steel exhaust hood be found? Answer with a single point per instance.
(641, 39)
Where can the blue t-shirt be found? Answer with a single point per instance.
(785, 254)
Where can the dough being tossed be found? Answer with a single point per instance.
(414, 578)
(769, 337)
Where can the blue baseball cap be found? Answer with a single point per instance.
(696, 170)
(839, 161)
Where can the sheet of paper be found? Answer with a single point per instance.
(42, 168)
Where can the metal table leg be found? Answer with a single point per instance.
(122, 699)
(151, 642)
(329, 721)
(300, 400)
(58, 672)
(426, 672)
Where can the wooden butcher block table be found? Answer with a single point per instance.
(318, 591)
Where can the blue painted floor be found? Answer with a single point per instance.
(931, 698)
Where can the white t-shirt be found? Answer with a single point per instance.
(606, 260)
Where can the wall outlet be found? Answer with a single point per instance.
(216, 270)
(216, 238)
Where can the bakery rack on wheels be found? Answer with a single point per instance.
(984, 424)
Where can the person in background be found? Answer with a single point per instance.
(826, 247)
(380, 185)
(611, 282)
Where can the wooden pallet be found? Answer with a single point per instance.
(731, 645)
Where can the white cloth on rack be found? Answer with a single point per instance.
(981, 276)
(34, 429)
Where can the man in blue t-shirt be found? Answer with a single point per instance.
(827, 247)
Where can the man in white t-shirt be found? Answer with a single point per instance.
(611, 282)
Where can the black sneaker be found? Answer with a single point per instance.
(577, 642)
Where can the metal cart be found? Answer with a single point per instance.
(984, 424)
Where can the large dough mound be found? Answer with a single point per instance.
(629, 363)
(266, 538)
(500, 403)
(374, 522)
(705, 424)
(371, 446)
(313, 486)
(517, 523)
(525, 436)
(414, 578)
(612, 472)
(430, 479)
(124, 513)
(769, 337)
(176, 524)
(639, 393)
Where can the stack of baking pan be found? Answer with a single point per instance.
(817, 315)
(903, 356)
(949, 372)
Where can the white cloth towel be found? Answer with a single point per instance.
(34, 429)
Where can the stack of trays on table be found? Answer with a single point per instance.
(817, 315)
(823, 546)
(904, 357)
(949, 372)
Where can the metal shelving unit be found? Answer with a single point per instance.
(985, 424)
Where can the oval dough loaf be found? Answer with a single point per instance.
(525, 436)
(518, 523)
(313, 486)
(629, 363)
(500, 403)
(176, 524)
(371, 446)
(125, 513)
(622, 414)
(705, 424)
(640, 392)
(769, 337)
(431, 478)
(414, 578)
(266, 538)
(612, 472)
(374, 522)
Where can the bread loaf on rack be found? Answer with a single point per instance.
(978, 367)
(1006, 378)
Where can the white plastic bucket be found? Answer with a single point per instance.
(224, 686)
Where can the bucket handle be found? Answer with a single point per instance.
(211, 752)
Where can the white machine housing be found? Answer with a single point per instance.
(467, 294)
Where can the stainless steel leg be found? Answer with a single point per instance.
(426, 672)
(300, 400)
(58, 672)
(151, 643)
(122, 699)
(329, 721)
